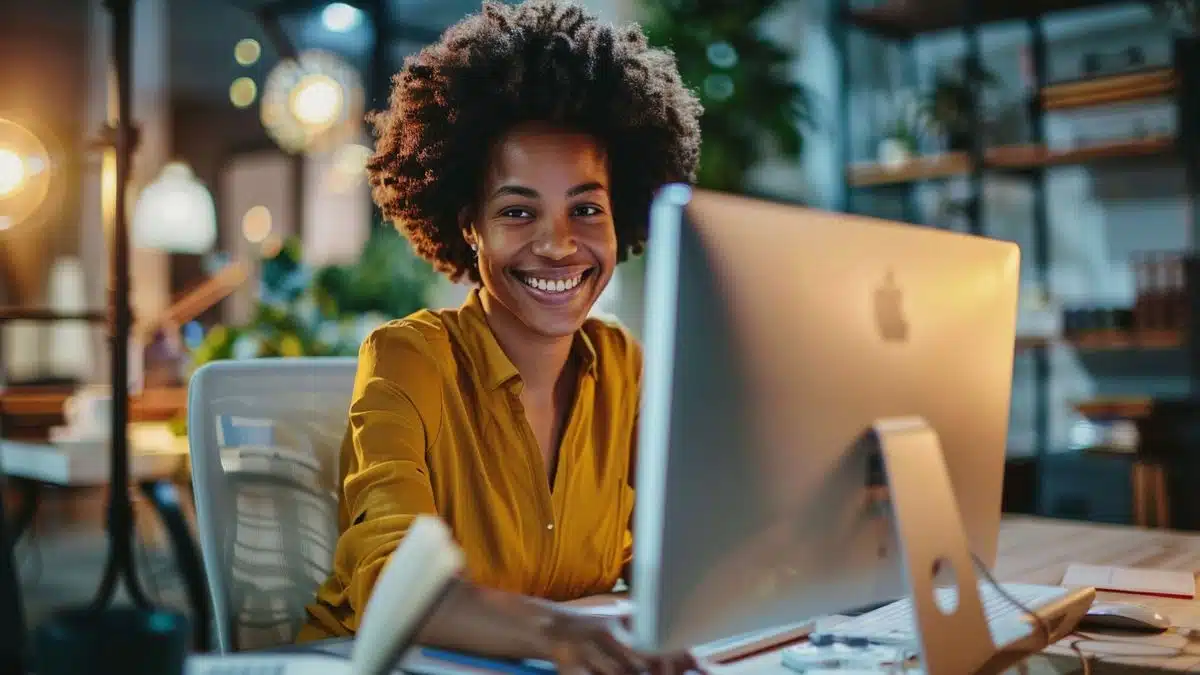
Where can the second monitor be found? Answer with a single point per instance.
(775, 337)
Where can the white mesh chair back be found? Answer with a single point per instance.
(265, 437)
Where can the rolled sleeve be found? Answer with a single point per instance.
(394, 417)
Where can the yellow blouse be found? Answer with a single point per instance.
(436, 426)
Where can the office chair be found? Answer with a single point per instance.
(265, 438)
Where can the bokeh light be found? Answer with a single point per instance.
(256, 224)
(12, 172)
(242, 92)
(339, 17)
(316, 100)
(25, 173)
(313, 103)
(247, 51)
(349, 167)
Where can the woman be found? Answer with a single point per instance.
(520, 152)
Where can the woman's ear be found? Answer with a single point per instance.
(467, 228)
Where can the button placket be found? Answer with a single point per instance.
(539, 485)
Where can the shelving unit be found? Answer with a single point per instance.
(906, 19)
(903, 21)
(1025, 157)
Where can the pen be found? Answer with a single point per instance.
(485, 663)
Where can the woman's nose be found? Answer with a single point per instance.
(555, 240)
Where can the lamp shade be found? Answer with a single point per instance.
(175, 213)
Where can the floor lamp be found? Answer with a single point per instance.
(102, 638)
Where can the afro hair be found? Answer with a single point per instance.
(539, 61)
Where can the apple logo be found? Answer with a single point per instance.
(889, 310)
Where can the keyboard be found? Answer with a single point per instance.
(894, 624)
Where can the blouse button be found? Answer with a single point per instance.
(549, 526)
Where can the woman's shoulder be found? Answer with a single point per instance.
(415, 346)
(616, 348)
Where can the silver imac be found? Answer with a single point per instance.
(775, 337)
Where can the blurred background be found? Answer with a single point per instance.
(1063, 125)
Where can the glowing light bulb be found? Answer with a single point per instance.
(313, 103)
(317, 101)
(26, 176)
(12, 172)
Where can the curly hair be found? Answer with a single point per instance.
(540, 61)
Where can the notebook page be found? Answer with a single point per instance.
(1168, 583)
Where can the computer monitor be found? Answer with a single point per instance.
(774, 337)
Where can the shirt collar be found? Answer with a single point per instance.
(497, 369)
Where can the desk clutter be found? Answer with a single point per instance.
(825, 653)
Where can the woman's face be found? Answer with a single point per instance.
(544, 230)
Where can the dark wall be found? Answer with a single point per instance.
(43, 88)
(207, 135)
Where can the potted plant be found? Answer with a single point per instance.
(902, 134)
(754, 109)
(953, 102)
(328, 311)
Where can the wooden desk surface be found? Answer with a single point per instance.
(1037, 551)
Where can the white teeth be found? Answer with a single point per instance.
(552, 285)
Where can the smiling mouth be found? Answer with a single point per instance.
(556, 286)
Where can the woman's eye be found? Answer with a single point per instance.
(587, 210)
(516, 213)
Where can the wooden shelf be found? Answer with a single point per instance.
(1025, 343)
(916, 170)
(1130, 408)
(903, 19)
(1123, 88)
(1110, 341)
(1033, 156)
(1119, 340)
(1010, 157)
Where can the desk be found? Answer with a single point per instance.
(1037, 551)
(154, 454)
(1034, 550)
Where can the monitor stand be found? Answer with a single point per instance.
(934, 546)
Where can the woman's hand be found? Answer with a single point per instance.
(581, 644)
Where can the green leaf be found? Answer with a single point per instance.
(766, 110)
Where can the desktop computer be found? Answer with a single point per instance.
(823, 422)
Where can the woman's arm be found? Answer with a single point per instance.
(395, 413)
(487, 621)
